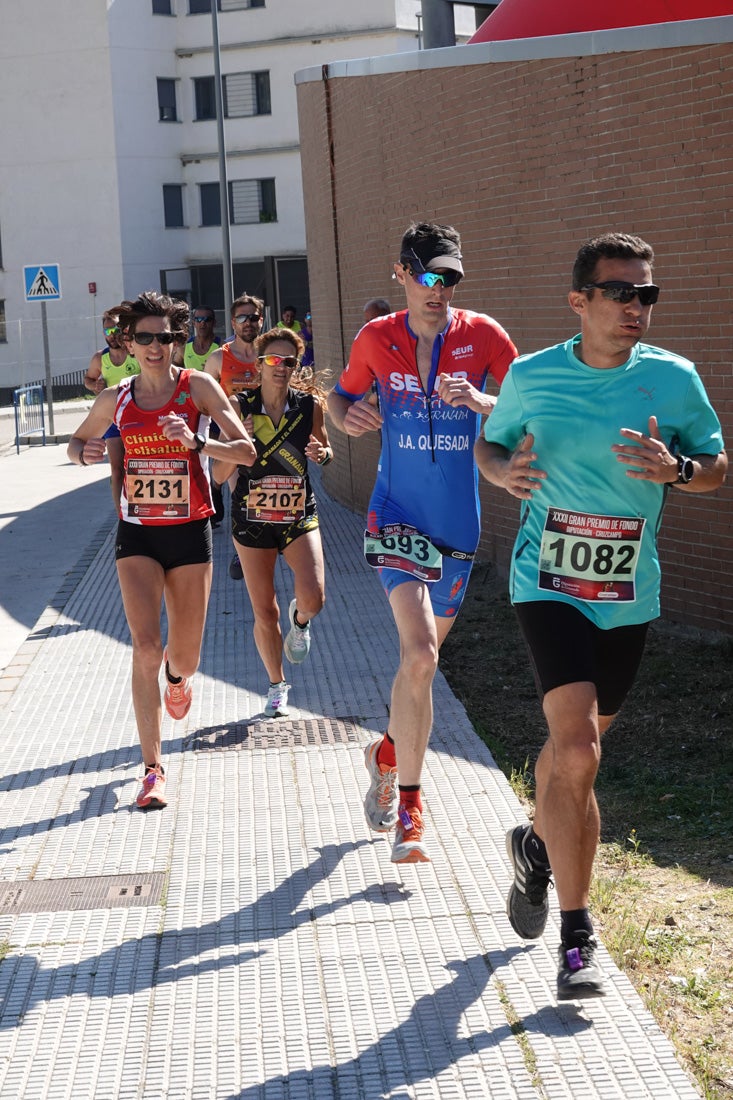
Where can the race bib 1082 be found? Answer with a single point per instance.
(590, 557)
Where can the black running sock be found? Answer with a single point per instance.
(573, 921)
(298, 623)
(535, 851)
(154, 768)
(172, 679)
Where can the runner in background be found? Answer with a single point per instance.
(197, 349)
(234, 366)
(273, 504)
(107, 367)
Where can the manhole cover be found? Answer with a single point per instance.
(260, 733)
(56, 895)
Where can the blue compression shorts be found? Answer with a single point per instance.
(446, 595)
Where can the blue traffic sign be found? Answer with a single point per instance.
(42, 282)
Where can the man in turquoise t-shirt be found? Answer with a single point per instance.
(589, 435)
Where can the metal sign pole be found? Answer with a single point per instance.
(47, 363)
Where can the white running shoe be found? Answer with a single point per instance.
(298, 641)
(381, 801)
(277, 700)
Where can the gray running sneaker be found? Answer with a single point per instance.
(277, 700)
(408, 844)
(527, 906)
(380, 804)
(579, 975)
(297, 643)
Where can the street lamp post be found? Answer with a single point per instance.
(223, 183)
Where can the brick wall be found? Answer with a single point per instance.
(528, 159)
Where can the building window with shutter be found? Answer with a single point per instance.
(204, 91)
(198, 7)
(167, 100)
(210, 204)
(252, 201)
(173, 205)
(247, 94)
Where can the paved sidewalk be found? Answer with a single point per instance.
(253, 940)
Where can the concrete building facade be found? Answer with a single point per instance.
(109, 164)
(530, 147)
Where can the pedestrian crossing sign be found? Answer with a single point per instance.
(42, 282)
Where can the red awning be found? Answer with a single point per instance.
(538, 18)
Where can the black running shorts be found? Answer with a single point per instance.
(171, 546)
(566, 648)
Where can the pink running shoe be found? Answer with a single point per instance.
(177, 697)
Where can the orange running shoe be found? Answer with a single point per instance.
(408, 844)
(177, 697)
(152, 796)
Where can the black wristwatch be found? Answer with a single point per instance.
(685, 470)
(201, 442)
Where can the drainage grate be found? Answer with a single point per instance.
(56, 895)
(259, 733)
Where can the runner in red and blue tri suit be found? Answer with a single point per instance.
(428, 366)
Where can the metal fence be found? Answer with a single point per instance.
(29, 416)
(64, 387)
(72, 341)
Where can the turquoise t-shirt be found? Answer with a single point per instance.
(589, 535)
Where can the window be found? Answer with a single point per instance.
(3, 329)
(236, 5)
(167, 100)
(162, 7)
(252, 201)
(204, 90)
(173, 205)
(198, 7)
(244, 95)
(247, 94)
(210, 204)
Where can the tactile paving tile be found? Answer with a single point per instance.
(288, 957)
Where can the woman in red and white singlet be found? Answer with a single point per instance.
(163, 546)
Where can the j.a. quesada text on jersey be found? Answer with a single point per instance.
(426, 475)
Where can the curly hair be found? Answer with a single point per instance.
(153, 304)
(304, 379)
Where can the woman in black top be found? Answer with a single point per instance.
(273, 505)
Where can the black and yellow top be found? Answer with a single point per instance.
(280, 447)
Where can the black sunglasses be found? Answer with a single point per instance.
(619, 291)
(146, 338)
(202, 320)
(242, 318)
